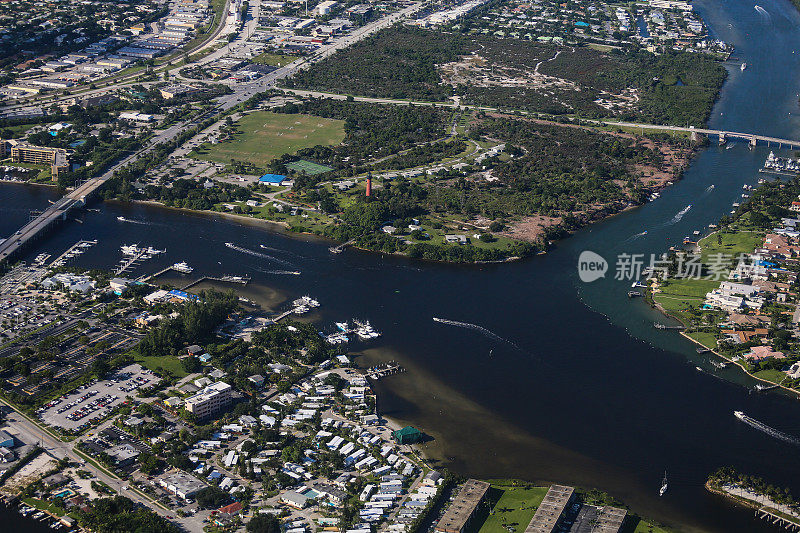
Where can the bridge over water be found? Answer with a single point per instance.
(723, 135)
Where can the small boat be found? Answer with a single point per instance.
(743, 67)
(664, 485)
(634, 294)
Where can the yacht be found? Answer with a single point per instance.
(130, 249)
(343, 326)
(365, 330)
(664, 485)
(182, 267)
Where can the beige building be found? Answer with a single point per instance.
(211, 400)
(57, 158)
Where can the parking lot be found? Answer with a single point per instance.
(94, 401)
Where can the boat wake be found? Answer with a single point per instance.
(257, 254)
(475, 327)
(677, 218)
(708, 191)
(765, 16)
(271, 249)
(772, 432)
(140, 222)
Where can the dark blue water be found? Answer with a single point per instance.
(593, 395)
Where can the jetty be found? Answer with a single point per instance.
(243, 280)
(662, 326)
(340, 247)
(378, 372)
(300, 306)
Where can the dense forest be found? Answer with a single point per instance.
(401, 62)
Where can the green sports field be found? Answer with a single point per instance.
(262, 136)
(309, 167)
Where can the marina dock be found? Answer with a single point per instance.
(381, 371)
(243, 280)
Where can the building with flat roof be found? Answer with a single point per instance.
(123, 454)
(6, 439)
(609, 520)
(182, 485)
(462, 509)
(551, 510)
(57, 158)
(210, 400)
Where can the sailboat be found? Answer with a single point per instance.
(664, 485)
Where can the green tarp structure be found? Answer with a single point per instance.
(407, 435)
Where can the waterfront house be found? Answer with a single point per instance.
(761, 353)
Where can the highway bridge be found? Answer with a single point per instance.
(722, 135)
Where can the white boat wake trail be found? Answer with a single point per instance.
(765, 16)
(271, 249)
(140, 222)
(475, 327)
(258, 254)
(772, 432)
(677, 218)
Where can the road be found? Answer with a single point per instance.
(32, 433)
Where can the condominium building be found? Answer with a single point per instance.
(57, 158)
(211, 400)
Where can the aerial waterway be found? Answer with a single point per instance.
(598, 397)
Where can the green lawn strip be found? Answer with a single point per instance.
(774, 376)
(646, 527)
(709, 340)
(514, 507)
(264, 135)
(169, 363)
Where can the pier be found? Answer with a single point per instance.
(340, 247)
(126, 264)
(148, 277)
(70, 253)
(243, 280)
(381, 371)
(778, 520)
(662, 326)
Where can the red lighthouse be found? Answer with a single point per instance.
(369, 186)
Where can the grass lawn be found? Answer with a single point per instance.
(513, 506)
(677, 295)
(166, 362)
(645, 527)
(706, 339)
(262, 136)
(732, 244)
(276, 60)
(775, 376)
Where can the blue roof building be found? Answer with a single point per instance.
(272, 179)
